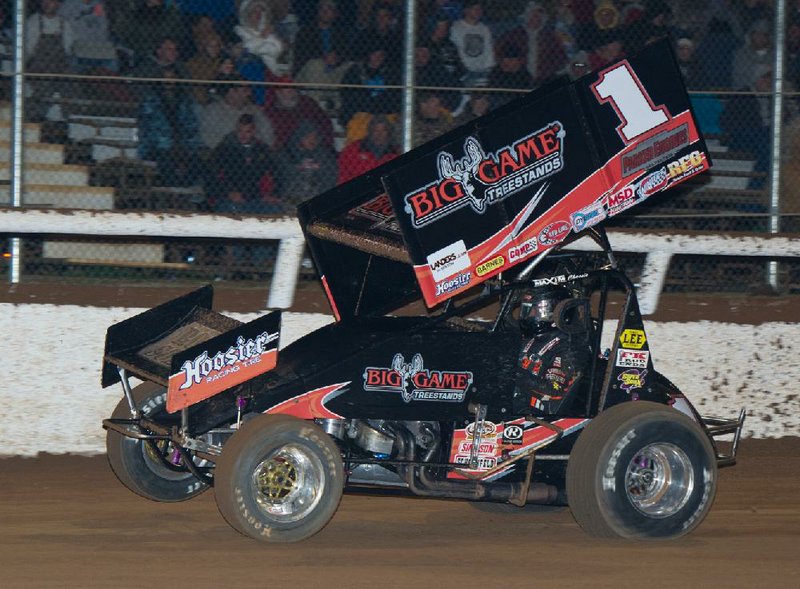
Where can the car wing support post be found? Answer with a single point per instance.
(126, 388)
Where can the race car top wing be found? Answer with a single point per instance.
(497, 191)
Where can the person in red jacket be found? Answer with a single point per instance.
(376, 148)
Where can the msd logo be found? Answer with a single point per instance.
(617, 202)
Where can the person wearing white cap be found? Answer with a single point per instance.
(757, 51)
(691, 68)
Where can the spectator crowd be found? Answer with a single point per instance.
(330, 108)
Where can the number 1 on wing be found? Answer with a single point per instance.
(620, 86)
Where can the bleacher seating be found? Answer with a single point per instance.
(107, 137)
(49, 182)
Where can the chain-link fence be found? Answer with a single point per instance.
(250, 106)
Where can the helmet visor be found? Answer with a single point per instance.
(537, 310)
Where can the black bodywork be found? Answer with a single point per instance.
(399, 389)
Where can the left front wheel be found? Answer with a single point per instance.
(279, 479)
(144, 465)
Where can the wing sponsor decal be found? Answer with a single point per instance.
(554, 233)
(449, 260)
(490, 266)
(588, 216)
(606, 186)
(523, 250)
(619, 201)
(652, 183)
(413, 382)
(379, 208)
(655, 150)
(376, 214)
(458, 283)
(687, 166)
(479, 180)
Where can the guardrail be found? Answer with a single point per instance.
(286, 230)
(658, 246)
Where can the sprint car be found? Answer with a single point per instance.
(414, 387)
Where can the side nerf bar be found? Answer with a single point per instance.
(717, 426)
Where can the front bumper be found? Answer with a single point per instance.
(718, 427)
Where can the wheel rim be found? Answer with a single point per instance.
(659, 480)
(157, 458)
(288, 484)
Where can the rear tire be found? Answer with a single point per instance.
(279, 479)
(641, 470)
(136, 462)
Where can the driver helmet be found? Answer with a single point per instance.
(537, 306)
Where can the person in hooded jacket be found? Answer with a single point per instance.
(305, 167)
(537, 44)
(256, 29)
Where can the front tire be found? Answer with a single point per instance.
(641, 470)
(141, 465)
(279, 479)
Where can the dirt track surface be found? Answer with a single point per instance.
(65, 521)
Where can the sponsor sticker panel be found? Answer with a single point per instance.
(588, 216)
(490, 266)
(632, 339)
(523, 250)
(449, 260)
(632, 379)
(499, 442)
(655, 150)
(555, 233)
(632, 358)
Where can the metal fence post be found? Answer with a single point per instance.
(17, 132)
(408, 75)
(777, 133)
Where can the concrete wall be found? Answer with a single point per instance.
(51, 400)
